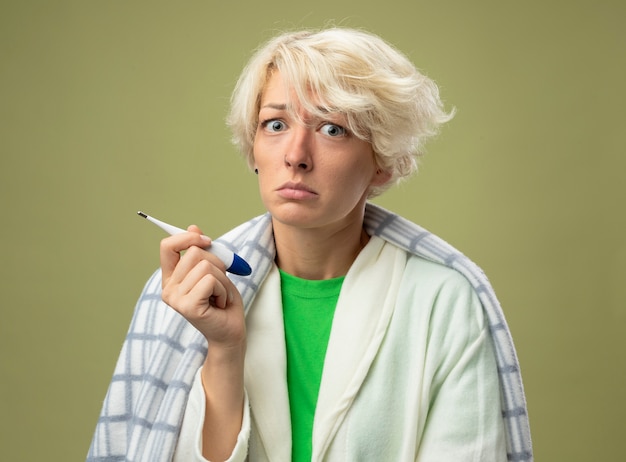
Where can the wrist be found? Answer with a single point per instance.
(223, 366)
(226, 353)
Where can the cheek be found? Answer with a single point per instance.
(357, 169)
(351, 182)
(263, 154)
(264, 189)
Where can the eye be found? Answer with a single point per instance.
(273, 125)
(333, 130)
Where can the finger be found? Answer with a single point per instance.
(223, 287)
(218, 272)
(194, 229)
(172, 246)
(207, 244)
(192, 277)
(192, 267)
(192, 257)
(212, 291)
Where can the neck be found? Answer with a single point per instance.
(318, 254)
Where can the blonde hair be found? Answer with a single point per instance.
(386, 100)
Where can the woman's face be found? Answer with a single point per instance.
(313, 173)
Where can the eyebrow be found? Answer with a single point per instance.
(283, 107)
(280, 107)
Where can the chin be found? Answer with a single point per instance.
(294, 214)
(298, 220)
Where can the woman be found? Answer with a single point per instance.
(359, 336)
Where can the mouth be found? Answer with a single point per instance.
(291, 190)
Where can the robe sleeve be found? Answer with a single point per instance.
(464, 419)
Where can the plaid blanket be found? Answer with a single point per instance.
(143, 409)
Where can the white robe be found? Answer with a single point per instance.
(410, 372)
(143, 410)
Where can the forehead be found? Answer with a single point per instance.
(279, 92)
(275, 90)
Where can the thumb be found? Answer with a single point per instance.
(194, 229)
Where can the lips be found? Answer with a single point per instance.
(291, 190)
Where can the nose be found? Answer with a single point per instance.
(300, 149)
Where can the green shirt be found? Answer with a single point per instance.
(308, 309)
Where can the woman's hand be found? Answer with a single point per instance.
(195, 285)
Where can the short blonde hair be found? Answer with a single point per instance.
(386, 100)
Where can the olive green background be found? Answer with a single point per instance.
(107, 107)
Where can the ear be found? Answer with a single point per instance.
(380, 177)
